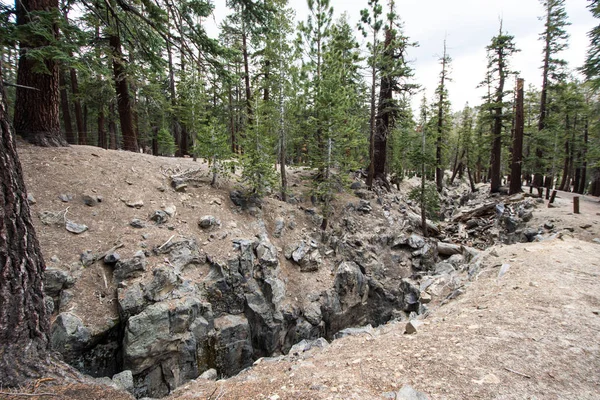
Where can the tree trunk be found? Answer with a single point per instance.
(496, 156)
(247, 79)
(37, 117)
(66, 112)
(517, 146)
(102, 142)
(81, 128)
(371, 173)
(583, 180)
(112, 127)
(24, 322)
(439, 171)
(123, 97)
(564, 183)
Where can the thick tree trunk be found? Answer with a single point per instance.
(37, 117)
(517, 146)
(496, 156)
(66, 112)
(24, 322)
(123, 97)
(112, 127)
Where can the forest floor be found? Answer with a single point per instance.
(527, 327)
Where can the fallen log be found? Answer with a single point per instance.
(415, 220)
(449, 249)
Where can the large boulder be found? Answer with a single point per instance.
(131, 268)
(233, 347)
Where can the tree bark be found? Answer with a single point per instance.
(583, 179)
(517, 146)
(24, 322)
(112, 127)
(123, 97)
(439, 171)
(371, 173)
(81, 128)
(37, 117)
(496, 156)
(66, 112)
(102, 142)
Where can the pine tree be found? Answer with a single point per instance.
(442, 117)
(591, 67)
(499, 51)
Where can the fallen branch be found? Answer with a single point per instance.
(166, 243)
(517, 373)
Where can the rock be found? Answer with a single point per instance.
(210, 375)
(87, 258)
(65, 198)
(266, 252)
(75, 228)
(408, 393)
(90, 200)
(279, 227)
(159, 217)
(416, 241)
(134, 203)
(312, 313)
(354, 332)
(55, 280)
(448, 249)
(232, 344)
(356, 185)
(170, 209)
(364, 206)
(425, 298)
(131, 300)
(596, 240)
(306, 345)
(137, 223)
(300, 252)
(163, 283)
(443, 268)
(526, 215)
(31, 200)
(208, 222)
(549, 225)
(124, 380)
(182, 253)
(351, 285)
(413, 326)
(68, 335)
(111, 258)
(456, 260)
(245, 201)
(530, 234)
(131, 268)
(585, 226)
(410, 295)
(178, 184)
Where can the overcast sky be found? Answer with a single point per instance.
(468, 26)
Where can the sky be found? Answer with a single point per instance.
(468, 26)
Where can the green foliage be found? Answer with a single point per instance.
(430, 198)
(591, 67)
(166, 142)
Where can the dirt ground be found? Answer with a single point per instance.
(532, 333)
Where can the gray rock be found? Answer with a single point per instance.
(31, 200)
(90, 200)
(356, 185)
(134, 203)
(159, 217)
(210, 375)
(131, 300)
(137, 223)
(364, 206)
(69, 336)
(266, 252)
(530, 234)
(178, 184)
(279, 227)
(300, 252)
(596, 240)
(351, 285)
(49, 304)
(232, 344)
(410, 295)
(312, 313)
(124, 380)
(163, 283)
(133, 267)
(87, 258)
(526, 215)
(416, 241)
(75, 228)
(55, 280)
(413, 326)
(443, 268)
(182, 253)
(408, 393)
(549, 225)
(306, 345)
(208, 222)
(170, 209)
(112, 258)
(245, 201)
(354, 332)
(456, 260)
(65, 198)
